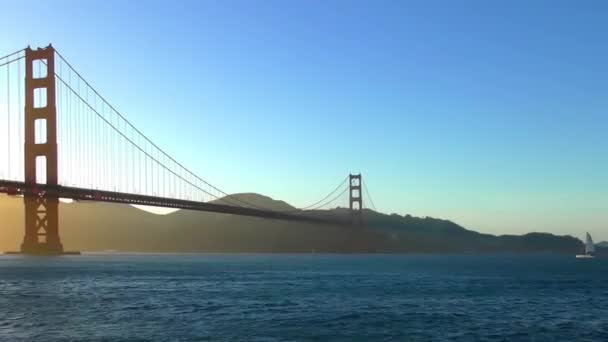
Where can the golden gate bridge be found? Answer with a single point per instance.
(64, 140)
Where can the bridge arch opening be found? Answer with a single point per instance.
(40, 97)
(41, 170)
(40, 68)
(40, 131)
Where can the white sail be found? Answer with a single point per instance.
(589, 246)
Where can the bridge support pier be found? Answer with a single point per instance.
(41, 226)
(41, 210)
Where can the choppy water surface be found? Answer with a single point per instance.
(303, 298)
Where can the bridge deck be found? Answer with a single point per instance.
(80, 194)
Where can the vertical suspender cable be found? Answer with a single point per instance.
(132, 162)
(60, 128)
(80, 156)
(91, 137)
(73, 139)
(21, 152)
(8, 112)
(82, 139)
(126, 158)
(104, 149)
(139, 168)
(108, 156)
(94, 143)
(145, 147)
(175, 184)
(71, 133)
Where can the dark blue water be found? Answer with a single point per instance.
(303, 298)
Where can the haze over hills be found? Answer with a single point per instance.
(91, 226)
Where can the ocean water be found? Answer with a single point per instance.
(206, 297)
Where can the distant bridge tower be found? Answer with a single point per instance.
(41, 210)
(355, 199)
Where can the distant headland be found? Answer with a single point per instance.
(91, 226)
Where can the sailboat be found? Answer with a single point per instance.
(589, 249)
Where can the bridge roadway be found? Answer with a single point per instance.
(80, 194)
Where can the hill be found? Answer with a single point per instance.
(255, 200)
(94, 226)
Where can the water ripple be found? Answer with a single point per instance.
(303, 298)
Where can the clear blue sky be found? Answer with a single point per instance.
(492, 114)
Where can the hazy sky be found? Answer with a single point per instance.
(492, 114)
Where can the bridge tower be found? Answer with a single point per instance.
(41, 210)
(355, 199)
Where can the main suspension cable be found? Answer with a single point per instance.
(146, 138)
